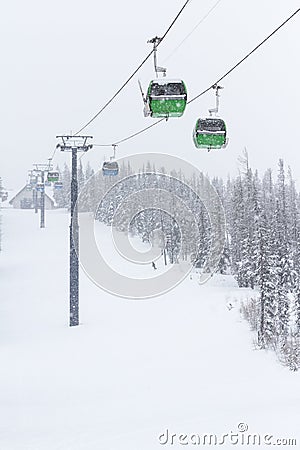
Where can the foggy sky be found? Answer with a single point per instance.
(62, 60)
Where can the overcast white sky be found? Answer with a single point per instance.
(62, 60)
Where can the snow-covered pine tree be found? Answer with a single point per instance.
(267, 278)
(281, 251)
(81, 177)
(248, 225)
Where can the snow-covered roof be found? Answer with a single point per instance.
(166, 80)
(10, 200)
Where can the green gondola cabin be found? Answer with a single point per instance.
(165, 98)
(53, 177)
(210, 133)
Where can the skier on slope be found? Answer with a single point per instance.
(153, 265)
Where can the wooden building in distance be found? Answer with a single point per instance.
(24, 200)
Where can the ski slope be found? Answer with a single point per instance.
(183, 362)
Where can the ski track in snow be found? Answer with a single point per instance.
(133, 369)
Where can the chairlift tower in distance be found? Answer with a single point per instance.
(40, 170)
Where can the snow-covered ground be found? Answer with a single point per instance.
(183, 362)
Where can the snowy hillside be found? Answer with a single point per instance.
(183, 362)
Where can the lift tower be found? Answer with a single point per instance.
(74, 144)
